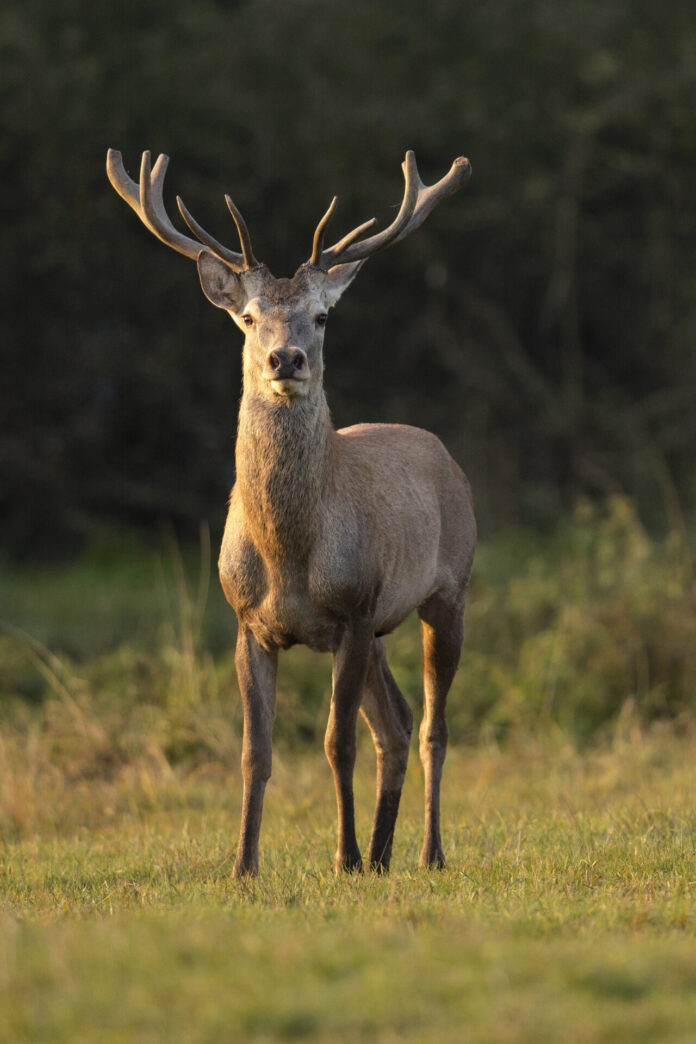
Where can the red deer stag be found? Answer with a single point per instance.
(332, 537)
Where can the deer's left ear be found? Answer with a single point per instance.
(338, 279)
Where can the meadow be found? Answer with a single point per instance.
(566, 911)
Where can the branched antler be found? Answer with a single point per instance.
(146, 200)
(418, 201)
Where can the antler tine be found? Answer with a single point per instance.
(125, 186)
(430, 195)
(233, 259)
(320, 231)
(151, 207)
(146, 199)
(318, 244)
(418, 201)
(353, 235)
(347, 250)
(243, 232)
(151, 183)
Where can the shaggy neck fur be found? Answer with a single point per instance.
(282, 462)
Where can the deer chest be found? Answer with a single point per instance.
(286, 601)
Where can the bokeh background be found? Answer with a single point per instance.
(542, 322)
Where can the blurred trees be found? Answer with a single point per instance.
(542, 322)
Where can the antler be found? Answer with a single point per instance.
(418, 201)
(147, 201)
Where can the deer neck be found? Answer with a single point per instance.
(282, 463)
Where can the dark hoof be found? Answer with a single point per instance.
(431, 859)
(349, 864)
(379, 866)
(243, 871)
(380, 852)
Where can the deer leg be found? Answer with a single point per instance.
(349, 671)
(391, 722)
(256, 672)
(442, 629)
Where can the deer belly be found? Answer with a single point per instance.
(406, 585)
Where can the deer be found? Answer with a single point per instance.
(333, 537)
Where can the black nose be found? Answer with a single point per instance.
(286, 362)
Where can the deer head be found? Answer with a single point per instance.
(283, 320)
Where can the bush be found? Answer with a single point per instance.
(562, 633)
(599, 617)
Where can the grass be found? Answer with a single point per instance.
(567, 910)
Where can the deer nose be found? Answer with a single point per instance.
(287, 362)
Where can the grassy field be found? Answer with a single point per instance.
(566, 913)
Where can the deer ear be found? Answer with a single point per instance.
(220, 284)
(338, 279)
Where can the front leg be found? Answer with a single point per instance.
(349, 671)
(256, 673)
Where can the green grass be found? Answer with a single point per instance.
(567, 911)
(227, 980)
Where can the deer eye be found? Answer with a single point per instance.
(247, 319)
(321, 319)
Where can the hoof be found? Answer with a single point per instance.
(431, 859)
(379, 866)
(348, 864)
(243, 871)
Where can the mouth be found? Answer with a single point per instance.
(289, 387)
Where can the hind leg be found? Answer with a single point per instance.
(442, 631)
(391, 722)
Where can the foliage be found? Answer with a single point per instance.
(542, 322)
(129, 655)
(598, 623)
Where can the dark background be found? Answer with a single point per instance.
(542, 321)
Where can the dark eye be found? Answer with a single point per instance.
(247, 320)
(321, 319)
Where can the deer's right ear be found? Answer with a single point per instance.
(220, 284)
